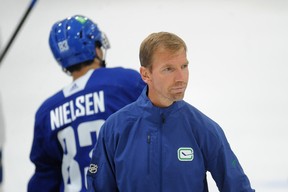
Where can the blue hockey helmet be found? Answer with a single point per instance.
(73, 40)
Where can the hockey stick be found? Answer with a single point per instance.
(17, 30)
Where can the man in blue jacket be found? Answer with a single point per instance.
(160, 142)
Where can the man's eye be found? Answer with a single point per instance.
(184, 66)
(168, 69)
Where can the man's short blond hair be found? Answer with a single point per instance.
(154, 42)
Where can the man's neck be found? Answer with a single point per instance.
(77, 74)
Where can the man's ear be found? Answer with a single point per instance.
(145, 74)
(99, 53)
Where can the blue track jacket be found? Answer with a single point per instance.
(143, 148)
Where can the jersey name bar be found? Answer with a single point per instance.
(83, 105)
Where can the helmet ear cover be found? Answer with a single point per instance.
(73, 41)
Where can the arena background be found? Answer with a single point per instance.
(238, 54)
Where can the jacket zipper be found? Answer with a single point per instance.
(160, 135)
(149, 151)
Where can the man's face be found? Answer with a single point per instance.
(167, 81)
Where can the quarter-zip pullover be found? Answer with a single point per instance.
(145, 148)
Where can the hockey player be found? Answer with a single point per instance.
(67, 123)
(160, 142)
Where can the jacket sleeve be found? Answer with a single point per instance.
(226, 169)
(47, 175)
(100, 176)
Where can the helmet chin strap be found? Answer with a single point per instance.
(102, 61)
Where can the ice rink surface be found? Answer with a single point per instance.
(238, 54)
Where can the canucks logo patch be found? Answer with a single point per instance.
(63, 46)
(93, 168)
(185, 154)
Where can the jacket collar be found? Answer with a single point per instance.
(147, 105)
